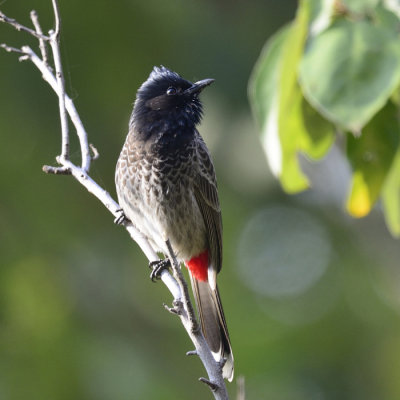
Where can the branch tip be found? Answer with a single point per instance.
(57, 18)
(10, 49)
(214, 387)
(48, 169)
(192, 353)
(172, 310)
(176, 309)
(42, 43)
(95, 152)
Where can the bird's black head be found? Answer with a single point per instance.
(166, 98)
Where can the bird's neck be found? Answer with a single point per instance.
(162, 128)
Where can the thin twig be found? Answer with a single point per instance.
(49, 77)
(42, 42)
(48, 169)
(20, 27)
(95, 152)
(189, 321)
(194, 326)
(10, 49)
(176, 310)
(57, 18)
(55, 47)
(61, 96)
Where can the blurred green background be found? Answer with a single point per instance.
(311, 296)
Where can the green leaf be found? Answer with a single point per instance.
(391, 197)
(288, 125)
(387, 18)
(371, 157)
(321, 13)
(395, 97)
(264, 94)
(263, 85)
(291, 129)
(349, 71)
(360, 6)
(319, 134)
(290, 98)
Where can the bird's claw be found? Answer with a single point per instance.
(158, 267)
(122, 218)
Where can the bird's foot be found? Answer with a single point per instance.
(158, 267)
(122, 218)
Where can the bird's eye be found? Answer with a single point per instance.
(171, 91)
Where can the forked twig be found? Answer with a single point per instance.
(20, 27)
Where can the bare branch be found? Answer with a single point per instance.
(20, 27)
(57, 18)
(194, 326)
(10, 49)
(55, 48)
(176, 284)
(56, 82)
(189, 321)
(42, 42)
(49, 77)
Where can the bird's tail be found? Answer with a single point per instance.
(213, 323)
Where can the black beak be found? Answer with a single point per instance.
(199, 86)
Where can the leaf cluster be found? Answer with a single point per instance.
(335, 70)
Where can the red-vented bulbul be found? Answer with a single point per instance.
(166, 186)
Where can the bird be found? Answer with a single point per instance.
(166, 186)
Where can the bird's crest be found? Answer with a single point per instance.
(162, 72)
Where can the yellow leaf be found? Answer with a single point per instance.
(359, 203)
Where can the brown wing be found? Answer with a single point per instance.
(206, 194)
